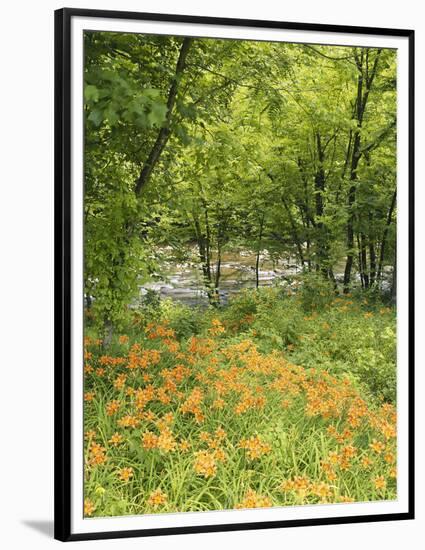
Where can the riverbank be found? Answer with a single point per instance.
(183, 281)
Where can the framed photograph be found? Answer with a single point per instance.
(233, 274)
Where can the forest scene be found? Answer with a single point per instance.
(239, 274)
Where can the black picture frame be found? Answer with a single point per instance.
(63, 262)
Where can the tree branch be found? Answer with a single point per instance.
(164, 132)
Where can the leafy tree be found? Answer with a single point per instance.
(216, 145)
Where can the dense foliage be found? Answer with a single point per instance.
(197, 149)
(226, 144)
(222, 415)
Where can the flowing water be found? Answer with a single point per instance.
(183, 281)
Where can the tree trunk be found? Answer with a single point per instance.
(394, 278)
(319, 189)
(165, 130)
(372, 256)
(203, 256)
(293, 226)
(217, 276)
(351, 200)
(366, 76)
(257, 260)
(360, 260)
(294, 231)
(385, 236)
(364, 260)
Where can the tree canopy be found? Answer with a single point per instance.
(220, 144)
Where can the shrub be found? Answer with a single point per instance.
(315, 291)
(277, 323)
(184, 320)
(242, 309)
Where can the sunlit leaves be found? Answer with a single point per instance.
(242, 160)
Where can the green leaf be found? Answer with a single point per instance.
(111, 115)
(91, 93)
(96, 116)
(157, 115)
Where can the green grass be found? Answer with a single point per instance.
(341, 351)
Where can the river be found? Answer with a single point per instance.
(183, 281)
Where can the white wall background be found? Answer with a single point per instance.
(26, 273)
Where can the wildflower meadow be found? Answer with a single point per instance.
(236, 415)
